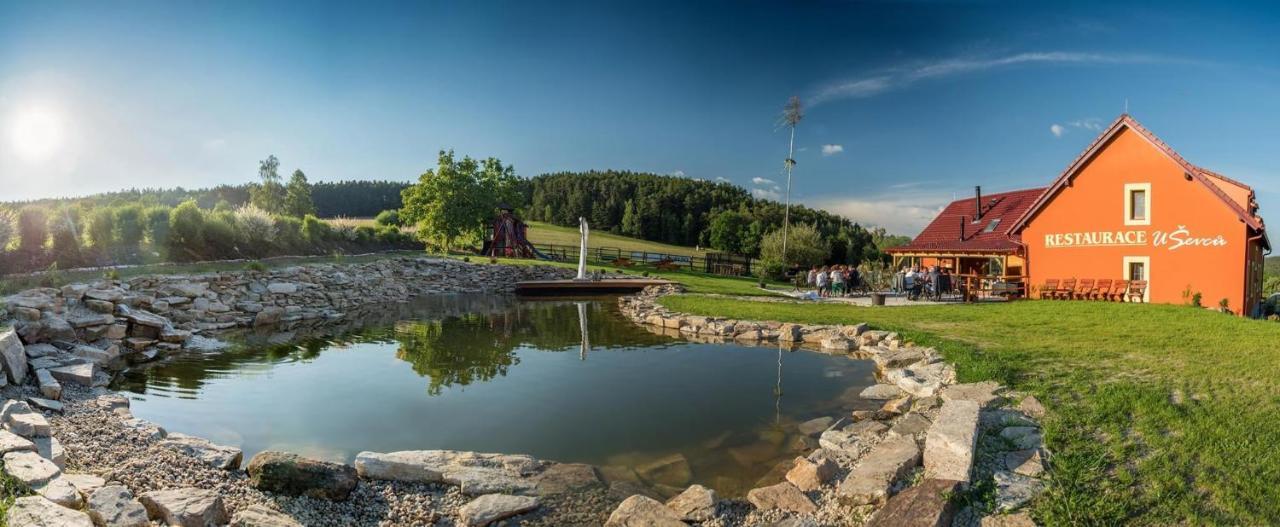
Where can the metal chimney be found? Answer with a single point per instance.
(977, 202)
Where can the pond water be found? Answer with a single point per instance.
(563, 379)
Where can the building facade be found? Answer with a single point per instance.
(1130, 208)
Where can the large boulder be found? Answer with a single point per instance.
(185, 507)
(214, 455)
(925, 505)
(870, 481)
(13, 355)
(643, 511)
(493, 507)
(295, 475)
(38, 511)
(696, 504)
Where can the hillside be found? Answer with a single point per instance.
(1272, 266)
(545, 233)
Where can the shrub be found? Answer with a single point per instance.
(129, 227)
(33, 229)
(315, 231)
(805, 247)
(771, 270)
(390, 235)
(257, 228)
(390, 217)
(186, 232)
(102, 228)
(255, 266)
(366, 235)
(157, 225)
(6, 229)
(65, 237)
(289, 233)
(222, 239)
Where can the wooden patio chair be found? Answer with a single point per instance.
(1049, 289)
(1084, 289)
(1137, 288)
(1118, 289)
(1068, 286)
(1101, 289)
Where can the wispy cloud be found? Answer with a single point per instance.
(898, 213)
(1057, 130)
(761, 181)
(678, 173)
(723, 179)
(1091, 124)
(903, 76)
(831, 150)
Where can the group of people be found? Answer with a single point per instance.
(834, 280)
(923, 281)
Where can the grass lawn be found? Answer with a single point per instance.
(695, 282)
(1158, 415)
(547, 233)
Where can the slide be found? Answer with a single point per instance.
(539, 254)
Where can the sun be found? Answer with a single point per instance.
(36, 133)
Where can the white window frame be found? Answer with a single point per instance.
(1146, 268)
(1128, 203)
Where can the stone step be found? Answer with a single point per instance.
(950, 443)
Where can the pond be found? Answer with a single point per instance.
(563, 379)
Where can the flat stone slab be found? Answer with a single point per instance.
(882, 392)
(814, 427)
(784, 496)
(81, 374)
(11, 442)
(889, 461)
(643, 511)
(214, 455)
(185, 507)
(38, 511)
(115, 506)
(51, 449)
(261, 516)
(13, 355)
(30, 468)
(49, 386)
(1028, 462)
(493, 507)
(87, 484)
(671, 470)
(475, 473)
(983, 393)
(910, 425)
(949, 445)
(62, 492)
(925, 505)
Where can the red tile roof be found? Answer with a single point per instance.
(943, 235)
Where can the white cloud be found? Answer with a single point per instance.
(1092, 123)
(831, 150)
(764, 193)
(678, 173)
(1056, 129)
(906, 75)
(905, 214)
(723, 179)
(761, 181)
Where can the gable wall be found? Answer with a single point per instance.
(1095, 203)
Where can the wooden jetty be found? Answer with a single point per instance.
(586, 287)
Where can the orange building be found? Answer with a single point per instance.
(1130, 208)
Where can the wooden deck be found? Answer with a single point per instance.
(586, 287)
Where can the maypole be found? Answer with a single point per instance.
(791, 116)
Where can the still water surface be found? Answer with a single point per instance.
(569, 380)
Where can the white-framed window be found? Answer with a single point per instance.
(1137, 204)
(1138, 268)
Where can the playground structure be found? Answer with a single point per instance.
(509, 237)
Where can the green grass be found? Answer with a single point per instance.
(1158, 415)
(542, 233)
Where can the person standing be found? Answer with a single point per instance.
(837, 281)
(823, 280)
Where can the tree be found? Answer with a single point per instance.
(102, 226)
(186, 232)
(727, 230)
(130, 227)
(6, 229)
(33, 229)
(458, 198)
(298, 196)
(805, 247)
(630, 219)
(269, 195)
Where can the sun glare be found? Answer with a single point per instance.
(36, 133)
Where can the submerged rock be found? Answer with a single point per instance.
(671, 470)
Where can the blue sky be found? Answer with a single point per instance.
(909, 104)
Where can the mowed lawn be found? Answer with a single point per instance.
(694, 282)
(543, 233)
(1158, 415)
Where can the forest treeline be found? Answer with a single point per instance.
(683, 211)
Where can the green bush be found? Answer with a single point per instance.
(805, 246)
(315, 232)
(186, 232)
(366, 234)
(257, 230)
(771, 270)
(157, 225)
(289, 233)
(389, 217)
(33, 229)
(391, 235)
(130, 228)
(221, 238)
(102, 228)
(6, 229)
(65, 237)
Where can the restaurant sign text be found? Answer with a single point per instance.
(1173, 240)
